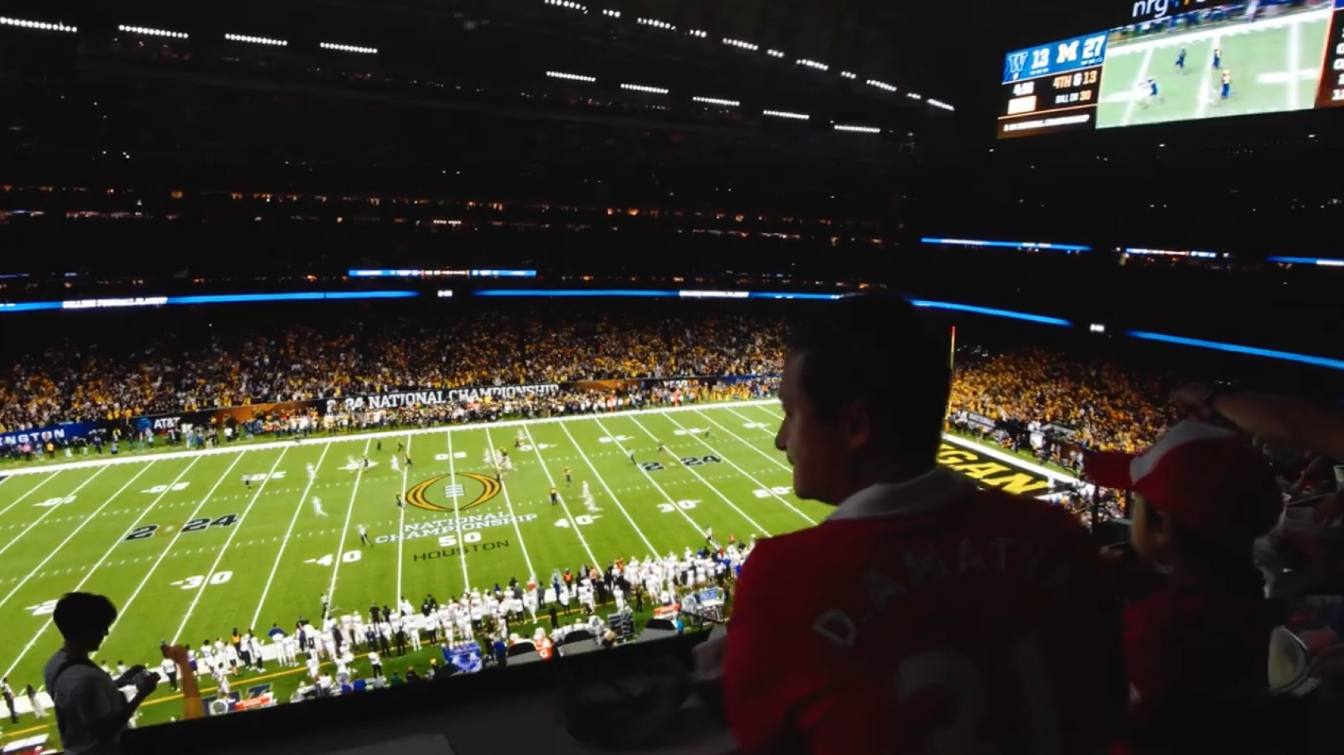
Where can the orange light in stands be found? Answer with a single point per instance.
(175, 193)
(632, 212)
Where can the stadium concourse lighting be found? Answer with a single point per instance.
(655, 23)
(990, 312)
(256, 40)
(159, 301)
(571, 76)
(716, 101)
(775, 53)
(148, 32)
(610, 12)
(701, 33)
(1029, 246)
(24, 23)
(1317, 261)
(739, 43)
(568, 4)
(348, 48)
(914, 95)
(884, 86)
(1199, 343)
(941, 105)
(849, 74)
(858, 129)
(786, 114)
(643, 88)
(813, 64)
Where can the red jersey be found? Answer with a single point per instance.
(921, 617)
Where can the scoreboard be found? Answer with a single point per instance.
(1227, 59)
(1052, 87)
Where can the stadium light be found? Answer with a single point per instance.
(701, 33)
(1028, 246)
(813, 64)
(786, 114)
(575, 293)
(941, 105)
(256, 40)
(338, 47)
(1199, 343)
(914, 95)
(568, 5)
(610, 12)
(802, 296)
(990, 312)
(655, 23)
(775, 53)
(159, 301)
(740, 43)
(149, 32)
(643, 88)
(571, 76)
(858, 129)
(24, 23)
(1317, 261)
(884, 86)
(716, 101)
(849, 74)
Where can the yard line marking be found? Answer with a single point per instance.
(29, 492)
(1206, 80)
(233, 532)
(457, 521)
(283, 543)
(564, 506)
(532, 571)
(115, 544)
(709, 485)
(345, 529)
(401, 525)
(164, 553)
(48, 512)
(667, 497)
(742, 471)
(652, 551)
(74, 532)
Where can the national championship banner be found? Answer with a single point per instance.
(412, 399)
(61, 434)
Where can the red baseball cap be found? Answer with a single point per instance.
(1208, 479)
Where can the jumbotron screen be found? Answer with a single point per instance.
(1215, 61)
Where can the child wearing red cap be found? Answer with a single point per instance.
(1199, 644)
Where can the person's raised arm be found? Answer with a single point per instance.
(1299, 423)
(192, 707)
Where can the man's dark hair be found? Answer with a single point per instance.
(877, 349)
(79, 614)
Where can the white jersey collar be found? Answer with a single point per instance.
(932, 490)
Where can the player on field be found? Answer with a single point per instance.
(400, 503)
(396, 465)
(378, 446)
(317, 507)
(924, 614)
(632, 459)
(1217, 57)
(363, 535)
(312, 472)
(366, 462)
(408, 461)
(1226, 90)
(569, 476)
(519, 439)
(662, 449)
(505, 463)
(247, 481)
(555, 496)
(1180, 60)
(1149, 93)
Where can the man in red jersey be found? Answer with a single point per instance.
(923, 615)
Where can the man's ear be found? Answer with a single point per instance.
(855, 425)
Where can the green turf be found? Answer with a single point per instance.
(1275, 66)
(66, 529)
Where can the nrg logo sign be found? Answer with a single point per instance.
(1155, 9)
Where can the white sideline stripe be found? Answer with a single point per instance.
(652, 551)
(742, 471)
(531, 570)
(233, 532)
(710, 485)
(26, 493)
(1000, 455)
(83, 523)
(345, 529)
(563, 505)
(48, 512)
(106, 554)
(666, 497)
(1206, 80)
(285, 541)
(457, 519)
(125, 607)
(401, 519)
(1199, 36)
(270, 445)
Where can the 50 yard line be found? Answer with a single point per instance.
(401, 517)
(457, 521)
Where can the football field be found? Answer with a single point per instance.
(1275, 65)
(190, 545)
